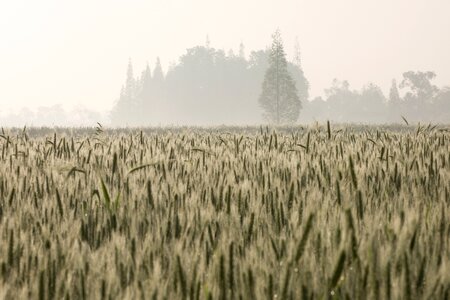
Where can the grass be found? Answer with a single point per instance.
(321, 212)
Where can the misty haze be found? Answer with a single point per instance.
(225, 149)
(179, 63)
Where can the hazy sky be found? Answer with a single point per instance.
(76, 52)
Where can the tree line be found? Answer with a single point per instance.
(422, 101)
(208, 86)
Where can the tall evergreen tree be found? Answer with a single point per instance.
(146, 79)
(157, 93)
(242, 50)
(394, 96)
(207, 42)
(158, 75)
(130, 84)
(145, 95)
(297, 54)
(296, 70)
(127, 103)
(279, 98)
(394, 104)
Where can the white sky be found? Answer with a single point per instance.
(76, 52)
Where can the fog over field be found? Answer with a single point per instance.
(204, 62)
(202, 149)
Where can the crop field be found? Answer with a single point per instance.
(319, 212)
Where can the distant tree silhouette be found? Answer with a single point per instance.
(342, 103)
(127, 106)
(207, 42)
(158, 75)
(419, 93)
(423, 102)
(242, 50)
(140, 98)
(279, 98)
(295, 68)
(372, 104)
(140, 103)
(297, 60)
(419, 85)
(209, 86)
(441, 106)
(157, 93)
(315, 110)
(395, 102)
(394, 95)
(346, 105)
(54, 115)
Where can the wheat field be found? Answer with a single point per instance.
(318, 212)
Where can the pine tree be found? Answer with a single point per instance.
(130, 85)
(298, 75)
(207, 42)
(395, 103)
(158, 75)
(157, 92)
(145, 96)
(242, 50)
(279, 98)
(297, 54)
(124, 109)
(394, 96)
